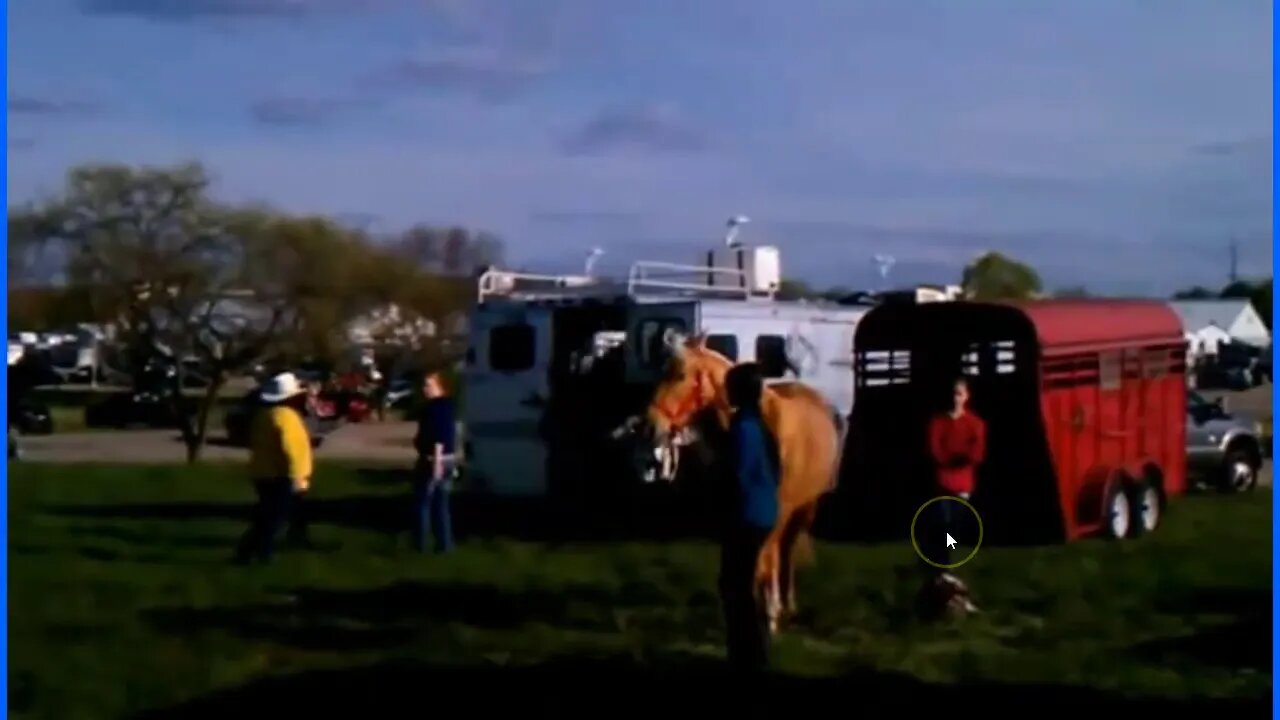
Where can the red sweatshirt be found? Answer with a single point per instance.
(958, 446)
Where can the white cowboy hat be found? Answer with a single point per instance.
(281, 387)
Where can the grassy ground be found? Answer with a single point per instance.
(122, 601)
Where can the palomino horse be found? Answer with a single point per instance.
(808, 447)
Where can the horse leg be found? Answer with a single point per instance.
(767, 581)
(775, 607)
(786, 575)
(797, 523)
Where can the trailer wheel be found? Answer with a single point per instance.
(1239, 470)
(1117, 512)
(1146, 503)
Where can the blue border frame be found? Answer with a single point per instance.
(4, 391)
(1275, 496)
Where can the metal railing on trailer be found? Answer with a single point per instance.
(663, 277)
(644, 278)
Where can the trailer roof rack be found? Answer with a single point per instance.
(528, 286)
(693, 280)
(644, 278)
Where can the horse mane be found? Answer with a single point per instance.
(698, 351)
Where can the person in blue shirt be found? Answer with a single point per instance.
(434, 471)
(753, 511)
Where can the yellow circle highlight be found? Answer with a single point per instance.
(915, 544)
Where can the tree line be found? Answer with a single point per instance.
(990, 276)
(182, 274)
(995, 276)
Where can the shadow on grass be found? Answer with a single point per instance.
(399, 614)
(649, 517)
(610, 687)
(1241, 642)
(141, 537)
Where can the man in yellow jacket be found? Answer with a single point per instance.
(279, 463)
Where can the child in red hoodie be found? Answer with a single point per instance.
(958, 445)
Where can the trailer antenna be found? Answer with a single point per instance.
(734, 224)
(884, 263)
(592, 257)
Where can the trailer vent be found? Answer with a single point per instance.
(881, 368)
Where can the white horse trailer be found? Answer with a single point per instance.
(556, 363)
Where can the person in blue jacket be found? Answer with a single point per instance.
(434, 471)
(753, 511)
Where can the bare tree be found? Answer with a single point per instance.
(187, 277)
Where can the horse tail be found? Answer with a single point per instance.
(842, 433)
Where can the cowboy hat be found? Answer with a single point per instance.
(281, 388)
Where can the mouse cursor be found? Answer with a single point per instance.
(951, 542)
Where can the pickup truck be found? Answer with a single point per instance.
(1225, 450)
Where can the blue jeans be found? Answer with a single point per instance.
(431, 506)
(936, 522)
(275, 498)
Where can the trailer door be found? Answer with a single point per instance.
(647, 327)
(507, 392)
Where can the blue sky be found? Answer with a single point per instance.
(1112, 143)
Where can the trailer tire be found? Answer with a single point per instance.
(1146, 507)
(1239, 471)
(1116, 510)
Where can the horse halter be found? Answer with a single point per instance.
(678, 413)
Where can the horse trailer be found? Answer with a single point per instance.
(1084, 402)
(556, 363)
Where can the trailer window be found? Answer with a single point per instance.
(1159, 362)
(512, 347)
(1005, 357)
(999, 356)
(1154, 364)
(970, 361)
(877, 368)
(652, 348)
(771, 354)
(726, 345)
(1109, 371)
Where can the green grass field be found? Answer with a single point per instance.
(123, 601)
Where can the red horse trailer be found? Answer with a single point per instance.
(1084, 402)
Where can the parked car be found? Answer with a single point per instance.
(159, 371)
(1236, 366)
(29, 416)
(143, 408)
(15, 447)
(1224, 449)
(31, 370)
(1263, 367)
(400, 393)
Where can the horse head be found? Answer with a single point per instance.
(692, 385)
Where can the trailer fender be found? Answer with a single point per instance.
(1092, 497)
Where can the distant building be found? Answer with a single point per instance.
(938, 293)
(1206, 324)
